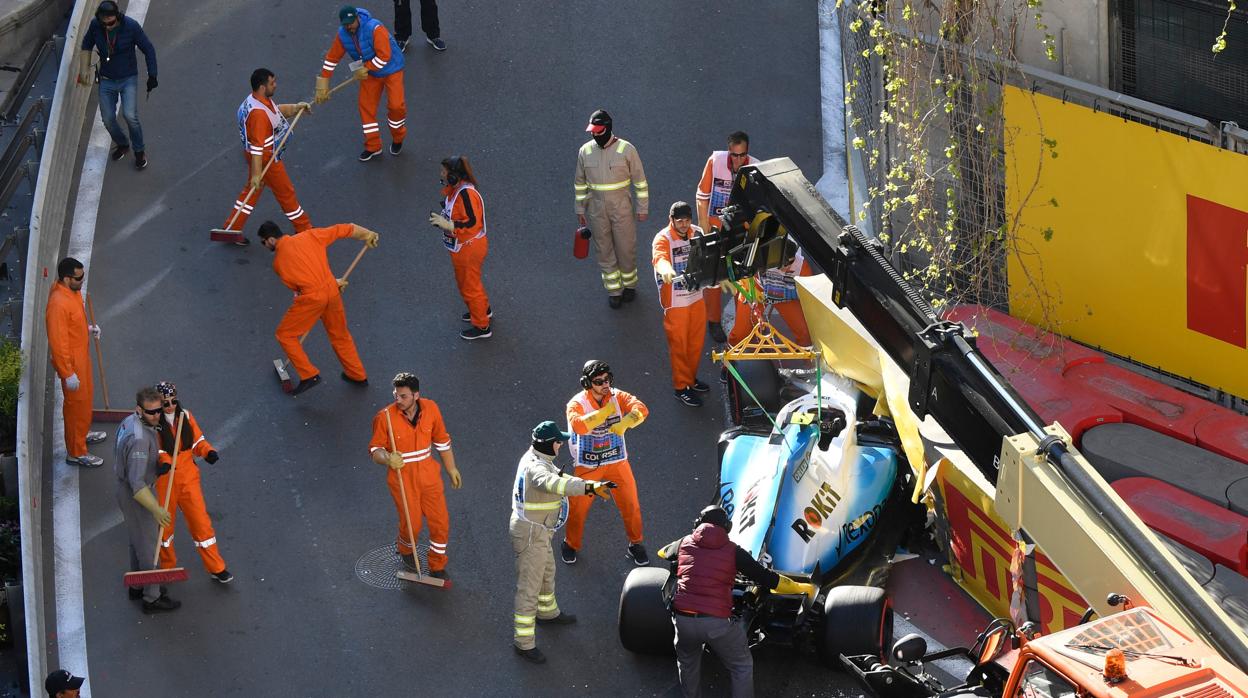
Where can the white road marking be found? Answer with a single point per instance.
(71, 626)
(132, 298)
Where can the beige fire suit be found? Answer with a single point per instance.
(539, 506)
(602, 196)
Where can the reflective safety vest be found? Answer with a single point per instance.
(360, 45)
(600, 446)
(448, 205)
(780, 285)
(279, 122)
(682, 297)
(531, 503)
(721, 181)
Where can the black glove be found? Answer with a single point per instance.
(151, 83)
(163, 468)
(212, 457)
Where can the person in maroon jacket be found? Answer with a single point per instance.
(707, 563)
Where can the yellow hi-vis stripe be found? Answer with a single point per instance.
(609, 187)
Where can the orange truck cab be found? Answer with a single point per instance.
(1131, 654)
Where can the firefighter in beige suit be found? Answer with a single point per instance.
(539, 507)
(605, 167)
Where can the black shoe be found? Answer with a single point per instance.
(467, 317)
(475, 333)
(307, 384)
(135, 593)
(402, 44)
(561, 619)
(637, 553)
(615, 301)
(353, 381)
(409, 561)
(438, 574)
(717, 332)
(367, 155)
(534, 655)
(568, 553)
(630, 295)
(161, 605)
(688, 397)
(396, 148)
(243, 241)
(700, 387)
(119, 152)
(223, 576)
(140, 161)
(438, 45)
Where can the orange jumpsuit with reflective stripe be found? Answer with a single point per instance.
(791, 311)
(67, 342)
(188, 497)
(684, 312)
(301, 264)
(260, 142)
(422, 475)
(619, 472)
(370, 90)
(468, 245)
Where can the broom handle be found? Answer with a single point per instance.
(177, 445)
(402, 490)
(99, 356)
(344, 278)
(267, 165)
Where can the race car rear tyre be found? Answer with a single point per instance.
(645, 623)
(765, 382)
(856, 620)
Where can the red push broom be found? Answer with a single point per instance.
(108, 414)
(173, 574)
(406, 576)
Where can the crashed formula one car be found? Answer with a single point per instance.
(820, 495)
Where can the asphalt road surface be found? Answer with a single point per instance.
(295, 499)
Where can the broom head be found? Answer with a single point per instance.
(220, 235)
(423, 579)
(166, 576)
(110, 415)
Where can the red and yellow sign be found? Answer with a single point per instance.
(981, 548)
(1131, 239)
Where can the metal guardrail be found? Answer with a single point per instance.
(13, 99)
(56, 175)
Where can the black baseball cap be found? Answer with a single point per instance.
(681, 209)
(61, 680)
(599, 121)
(347, 14)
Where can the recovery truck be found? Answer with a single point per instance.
(1094, 539)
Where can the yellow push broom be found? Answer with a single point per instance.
(173, 574)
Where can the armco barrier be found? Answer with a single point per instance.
(57, 171)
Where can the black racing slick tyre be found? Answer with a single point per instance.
(645, 623)
(856, 620)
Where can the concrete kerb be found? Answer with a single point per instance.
(49, 210)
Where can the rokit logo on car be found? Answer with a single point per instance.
(821, 507)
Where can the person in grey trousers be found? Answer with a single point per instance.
(137, 463)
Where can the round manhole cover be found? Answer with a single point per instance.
(376, 567)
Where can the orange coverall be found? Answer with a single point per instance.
(370, 90)
(684, 313)
(619, 472)
(422, 475)
(188, 497)
(260, 142)
(468, 245)
(67, 342)
(301, 264)
(791, 311)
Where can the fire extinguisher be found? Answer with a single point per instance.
(580, 242)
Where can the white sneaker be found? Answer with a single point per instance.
(88, 461)
(95, 437)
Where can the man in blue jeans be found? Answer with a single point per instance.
(114, 37)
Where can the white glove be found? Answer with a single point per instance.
(72, 382)
(665, 271)
(441, 222)
(95, 330)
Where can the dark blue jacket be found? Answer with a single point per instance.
(117, 59)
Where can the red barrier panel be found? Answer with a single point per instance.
(1219, 534)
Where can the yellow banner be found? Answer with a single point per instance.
(1132, 239)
